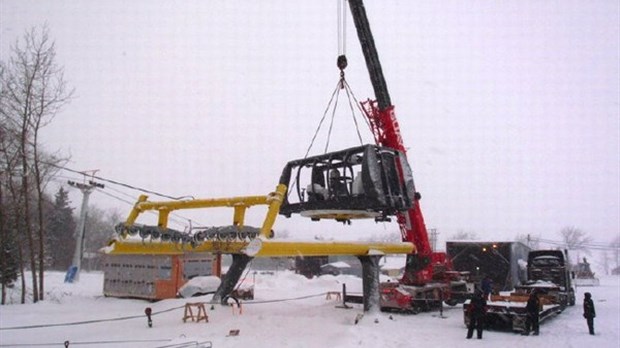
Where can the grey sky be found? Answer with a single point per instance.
(510, 109)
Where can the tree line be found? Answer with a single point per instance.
(36, 229)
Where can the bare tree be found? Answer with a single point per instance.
(390, 237)
(464, 235)
(575, 239)
(12, 200)
(604, 261)
(99, 228)
(34, 90)
(615, 245)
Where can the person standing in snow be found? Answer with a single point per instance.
(487, 286)
(477, 311)
(588, 311)
(532, 309)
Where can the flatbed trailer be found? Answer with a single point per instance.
(508, 312)
(548, 278)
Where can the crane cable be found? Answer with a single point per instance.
(342, 27)
(342, 84)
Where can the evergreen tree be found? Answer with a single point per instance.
(61, 227)
(9, 255)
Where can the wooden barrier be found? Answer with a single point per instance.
(201, 313)
(335, 294)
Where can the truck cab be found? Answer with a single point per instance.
(548, 272)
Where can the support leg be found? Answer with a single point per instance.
(239, 263)
(370, 281)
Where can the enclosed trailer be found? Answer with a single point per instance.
(154, 277)
(503, 262)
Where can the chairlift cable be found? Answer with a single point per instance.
(113, 181)
(180, 221)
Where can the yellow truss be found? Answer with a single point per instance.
(261, 246)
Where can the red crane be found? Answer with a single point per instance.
(375, 181)
(425, 267)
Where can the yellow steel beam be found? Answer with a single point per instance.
(201, 203)
(260, 248)
(239, 204)
(274, 200)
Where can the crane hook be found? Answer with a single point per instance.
(342, 62)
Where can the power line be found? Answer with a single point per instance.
(130, 317)
(178, 221)
(589, 245)
(116, 197)
(25, 327)
(132, 197)
(115, 182)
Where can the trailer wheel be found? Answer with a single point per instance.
(571, 299)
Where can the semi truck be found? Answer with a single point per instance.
(549, 277)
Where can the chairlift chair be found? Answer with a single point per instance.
(362, 182)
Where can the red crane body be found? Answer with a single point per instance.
(386, 130)
(428, 279)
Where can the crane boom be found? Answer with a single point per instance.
(358, 12)
(386, 130)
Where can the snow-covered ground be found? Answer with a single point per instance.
(288, 311)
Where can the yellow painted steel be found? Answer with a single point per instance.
(261, 246)
(268, 248)
(239, 204)
(274, 200)
(167, 206)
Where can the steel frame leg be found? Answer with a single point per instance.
(370, 281)
(239, 263)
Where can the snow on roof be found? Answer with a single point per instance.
(338, 264)
(542, 284)
(393, 262)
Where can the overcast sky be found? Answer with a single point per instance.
(509, 109)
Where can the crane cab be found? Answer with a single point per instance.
(362, 182)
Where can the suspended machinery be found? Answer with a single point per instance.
(372, 181)
(375, 181)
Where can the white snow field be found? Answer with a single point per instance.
(288, 311)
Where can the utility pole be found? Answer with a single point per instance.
(528, 240)
(73, 274)
(433, 238)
